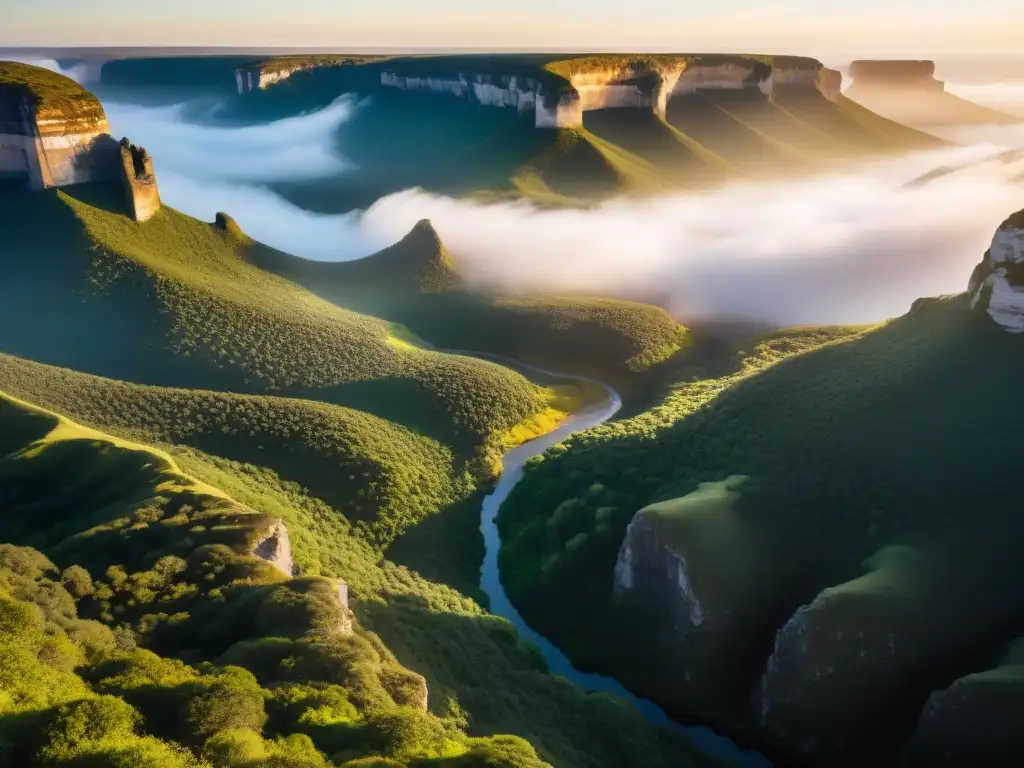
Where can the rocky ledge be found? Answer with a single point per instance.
(996, 287)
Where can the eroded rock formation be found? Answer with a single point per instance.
(139, 181)
(996, 286)
(611, 82)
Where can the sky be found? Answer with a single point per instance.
(812, 27)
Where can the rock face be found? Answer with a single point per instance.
(276, 549)
(996, 287)
(696, 565)
(52, 131)
(627, 83)
(139, 181)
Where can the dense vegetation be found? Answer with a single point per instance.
(190, 309)
(268, 671)
(877, 466)
(365, 444)
(266, 674)
(416, 283)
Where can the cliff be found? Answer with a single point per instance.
(561, 90)
(907, 91)
(52, 131)
(996, 286)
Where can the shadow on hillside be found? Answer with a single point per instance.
(503, 685)
(446, 547)
(105, 195)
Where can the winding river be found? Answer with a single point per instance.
(490, 579)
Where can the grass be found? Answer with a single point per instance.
(51, 93)
(840, 435)
(191, 309)
(416, 285)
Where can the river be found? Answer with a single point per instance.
(490, 578)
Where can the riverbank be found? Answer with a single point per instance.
(590, 415)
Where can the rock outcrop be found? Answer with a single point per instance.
(52, 131)
(276, 549)
(996, 287)
(908, 92)
(710, 579)
(565, 90)
(139, 181)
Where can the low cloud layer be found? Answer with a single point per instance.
(857, 247)
(853, 247)
(300, 147)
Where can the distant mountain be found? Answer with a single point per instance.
(907, 91)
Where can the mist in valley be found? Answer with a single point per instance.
(848, 247)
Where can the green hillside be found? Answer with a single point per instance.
(188, 308)
(256, 669)
(173, 646)
(878, 478)
(416, 283)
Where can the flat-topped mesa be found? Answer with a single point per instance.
(53, 132)
(139, 181)
(996, 287)
(561, 93)
(261, 75)
(897, 73)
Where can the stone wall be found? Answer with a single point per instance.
(139, 181)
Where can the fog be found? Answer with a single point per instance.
(856, 246)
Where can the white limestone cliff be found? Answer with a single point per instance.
(632, 85)
(996, 287)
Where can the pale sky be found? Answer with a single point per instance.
(815, 27)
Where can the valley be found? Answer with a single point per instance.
(432, 506)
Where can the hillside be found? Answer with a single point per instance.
(822, 518)
(168, 568)
(82, 682)
(189, 309)
(416, 283)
